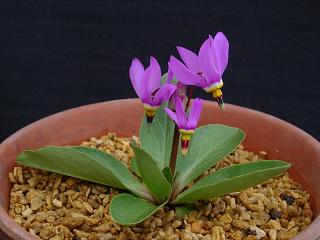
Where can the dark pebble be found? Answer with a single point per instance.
(274, 214)
(249, 231)
(182, 226)
(289, 199)
(76, 188)
(170, 207)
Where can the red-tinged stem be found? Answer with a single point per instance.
(190, 93)
(174, 149)
(175, 141)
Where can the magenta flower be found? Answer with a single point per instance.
(146, 83)
(186, 124)
(180, 93)
(181, 90)
(204, 70)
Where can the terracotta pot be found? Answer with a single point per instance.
(280, 139)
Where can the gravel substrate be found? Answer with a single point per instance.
(58, 207)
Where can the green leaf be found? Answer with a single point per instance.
(209, 145)
(151, 174)
(165, 77)
(184, 210)
(127, 209)
(84, 163)
(134, 166)
(232, 179)
(167, 173)
(156, 138)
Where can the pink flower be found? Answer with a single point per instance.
(186, 124)
(204, 70)
(181, 91)
(146, 83)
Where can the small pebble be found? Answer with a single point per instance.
(57, 203)
(36, 203)
(259, 232)
(249, 231)
(56, 207)
(289, 199)
(27, 212)
(273, 234)
(274, 214)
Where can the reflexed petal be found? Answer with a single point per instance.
(136, 72)
(170, 74)
(221, 51)
(190, 59)
(207, 64)
(181, 115)
(171, 114)
(181, 91)
(213, 55)
(195, 113)
(155, 75)
(144, 86)
(163, 94)
(184, 75)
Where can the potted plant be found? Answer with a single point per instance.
(162, 168)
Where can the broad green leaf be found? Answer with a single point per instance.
(156, 138)
(184, 210)
(167, 173)
(127, 209)
(209, 144)
(151, 175)
(134, 167)
(84, 163)
(232, 179)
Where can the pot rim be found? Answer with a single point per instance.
(20, 233)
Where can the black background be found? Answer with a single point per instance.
(56, 55)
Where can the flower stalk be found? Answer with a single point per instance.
(174, 149)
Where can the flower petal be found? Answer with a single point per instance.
(195, 113)
(170, 74)
(163, 94)
(171, 114)
(181, 91)
(180, 113)
(184, 75)
(221, 51)
(190, 59)
(144, 94)
(207, 63)
(136, 72)
(155, 75)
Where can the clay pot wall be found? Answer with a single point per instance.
(280, 139)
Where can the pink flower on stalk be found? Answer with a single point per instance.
(186, 124)
(204, 70)
(146, 83)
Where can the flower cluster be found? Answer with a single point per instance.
(204, 70)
